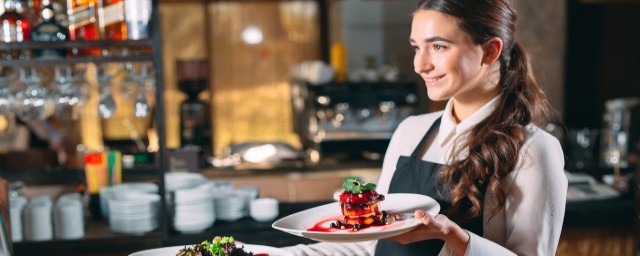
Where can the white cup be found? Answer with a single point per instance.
(264, 209)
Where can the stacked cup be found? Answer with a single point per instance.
(38, 225)
(16, 205)
(264, 209)
(68, 218)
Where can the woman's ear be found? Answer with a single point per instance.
(492, 50)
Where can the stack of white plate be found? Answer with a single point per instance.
(124, 189)
(135, 213)
(230, 206)
(68, 218)
(193, 208)
(16, 205)
(180, 180)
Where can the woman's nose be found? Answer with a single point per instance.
(422, 62)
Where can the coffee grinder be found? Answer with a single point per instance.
(195, 125)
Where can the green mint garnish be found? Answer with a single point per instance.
(356, 185)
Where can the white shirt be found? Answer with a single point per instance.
(531, 221)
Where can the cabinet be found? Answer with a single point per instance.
(98, 239)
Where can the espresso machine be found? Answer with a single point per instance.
(195, 124)
(620, 133)
(352, 119)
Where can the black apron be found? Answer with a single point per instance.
(413, 175)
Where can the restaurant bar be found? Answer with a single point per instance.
(319, 127)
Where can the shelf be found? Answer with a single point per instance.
(61, 175)
(76, 44)
(75, 60)
(99, 240)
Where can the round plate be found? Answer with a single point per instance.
(172, 251)
(299, 223)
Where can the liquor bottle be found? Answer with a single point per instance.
(137, 14)
(111, 20)
(49, 30)
(83, 24)
(15, 28)
(82, 19)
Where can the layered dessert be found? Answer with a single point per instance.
(219, 246)
(360, 205)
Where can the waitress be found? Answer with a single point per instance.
(497, 176)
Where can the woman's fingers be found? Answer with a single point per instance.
(434, 223)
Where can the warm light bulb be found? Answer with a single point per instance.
(252, 35)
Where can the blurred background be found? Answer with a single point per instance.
(226, 102)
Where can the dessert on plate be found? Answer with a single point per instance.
(219, 246)
(360, 205)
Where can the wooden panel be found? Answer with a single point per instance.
(251, 90)
(596, 242)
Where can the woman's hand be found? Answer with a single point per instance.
(438, 227)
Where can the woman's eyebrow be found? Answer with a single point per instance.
(432, 39)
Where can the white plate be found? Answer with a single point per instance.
(172, 251)
(298, 223)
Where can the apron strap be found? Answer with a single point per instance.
(421, 146)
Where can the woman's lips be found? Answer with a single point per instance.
(432, 80)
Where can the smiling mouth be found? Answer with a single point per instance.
(433, 80)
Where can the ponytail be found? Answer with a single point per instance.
(494, 144)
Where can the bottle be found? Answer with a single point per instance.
(111, 20)
(339, 61)
(49, 30)
(137, 14)
(15, 28)
(83, 24)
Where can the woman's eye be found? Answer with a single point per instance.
(415, 48)
(439, 47)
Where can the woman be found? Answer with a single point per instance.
(498, 177)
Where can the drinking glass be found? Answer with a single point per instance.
(106, 103)
(31, 103)
(6, 96)
(137, 82)
(69, 93)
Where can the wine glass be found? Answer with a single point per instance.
(137, 83)
(32, 102)
(70, 93)
(141, 105)
(106, 103)
(6, 96)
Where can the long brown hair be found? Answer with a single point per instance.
(494, 144)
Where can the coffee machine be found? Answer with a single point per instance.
(353, 119)
(620, 133)
(195, 125)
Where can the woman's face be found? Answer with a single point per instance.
(446, 57)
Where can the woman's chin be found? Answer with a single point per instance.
(434, 96)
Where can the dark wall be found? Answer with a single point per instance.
(603, 59)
